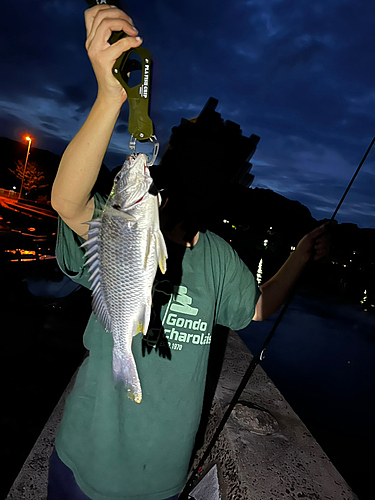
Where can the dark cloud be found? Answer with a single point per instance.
(122, 128)
(50, 126)
(48, 119)
(299, 74)
(77, 94)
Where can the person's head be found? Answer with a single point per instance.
(203, 156)
(191, 174)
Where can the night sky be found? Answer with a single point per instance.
(300, 74)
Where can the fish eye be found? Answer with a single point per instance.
(117, 178)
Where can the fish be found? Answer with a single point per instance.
(123, 250)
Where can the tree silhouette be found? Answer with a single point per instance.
(33, 178)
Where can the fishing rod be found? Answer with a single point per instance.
(184, 495)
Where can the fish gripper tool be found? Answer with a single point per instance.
(140, 125)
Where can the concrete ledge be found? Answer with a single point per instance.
(263, 453)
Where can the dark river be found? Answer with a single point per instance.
(322, 359)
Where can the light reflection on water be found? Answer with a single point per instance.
(27, 241)
(40, 257)
(28, 255)
(21, 251)
(260, 272)
(365, 302)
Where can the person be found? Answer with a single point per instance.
(108, 447)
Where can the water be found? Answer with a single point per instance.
(322, 360)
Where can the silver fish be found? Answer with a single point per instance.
(123, 249)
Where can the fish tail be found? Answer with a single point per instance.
(125, 372)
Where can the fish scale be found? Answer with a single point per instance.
(124, 248)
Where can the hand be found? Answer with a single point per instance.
(316, 243)
(100, 21)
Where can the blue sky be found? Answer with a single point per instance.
(299, 74)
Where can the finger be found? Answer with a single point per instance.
(97, 10)
(322, 232)
(321, 242)
(99, 37)
(320, 249)
(90, 16)
(121, 46)
(318, 231)
(108, 20)
(128, 18)
(329, 226)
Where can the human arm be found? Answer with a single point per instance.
(276, 289)
(81, 161)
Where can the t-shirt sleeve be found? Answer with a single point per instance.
(69, 254)
(239, 293)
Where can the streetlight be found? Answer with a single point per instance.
(27, 138)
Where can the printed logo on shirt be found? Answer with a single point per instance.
(180, 330)
(182, 302)
(180, 324)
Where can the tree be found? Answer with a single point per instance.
(34, 176)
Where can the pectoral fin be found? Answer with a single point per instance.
(113, 212)
(144, 320)
(161, 251)
(148, 248)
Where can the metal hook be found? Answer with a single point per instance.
(155, 152)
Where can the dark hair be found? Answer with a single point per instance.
(204, 155)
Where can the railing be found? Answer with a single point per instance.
(9, 193)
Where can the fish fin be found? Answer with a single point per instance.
(148, 248)
(125, 372)
(139, 329)
(144, 321)
(99, 306)
(161, 251)
(147, 316)
(113, 212)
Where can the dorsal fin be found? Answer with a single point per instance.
(92, 257)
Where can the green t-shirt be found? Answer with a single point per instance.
(118, 449)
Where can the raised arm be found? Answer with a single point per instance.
(81, 161)
(276, 290)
